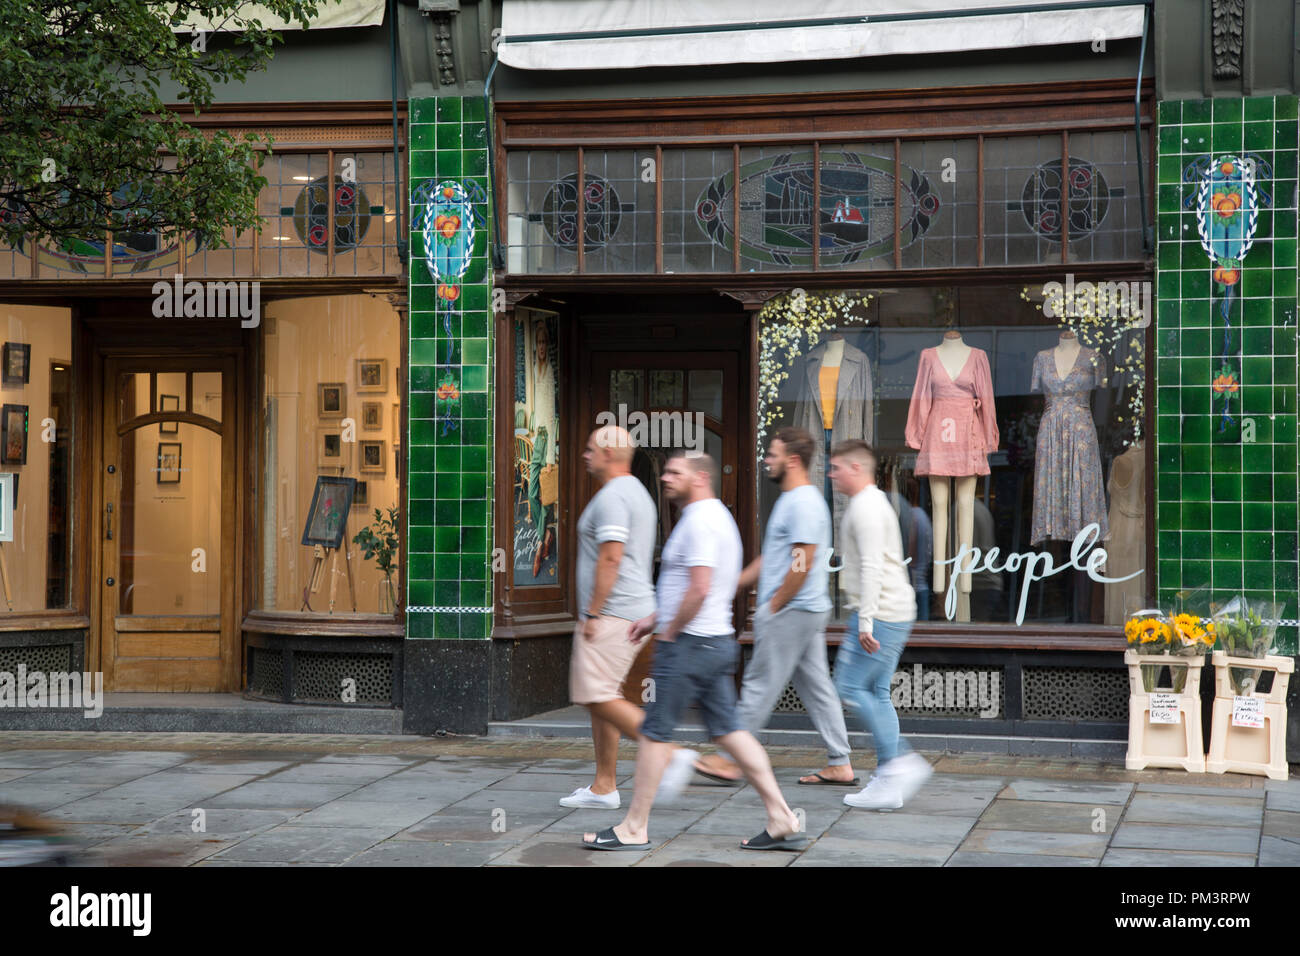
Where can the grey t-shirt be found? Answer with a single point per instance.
(799, 517)
(621, 511)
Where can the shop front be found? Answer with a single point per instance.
(194, 438)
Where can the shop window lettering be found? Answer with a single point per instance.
(1037, 565)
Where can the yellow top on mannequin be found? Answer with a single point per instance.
(953, 353)
(828, 379)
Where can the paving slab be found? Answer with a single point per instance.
(563, 849)
(663, 823)
(1282, 824)
(561, 784)
(706, 850)
(13, 773)
(218, 764)
(477, 828)
(46, 797)
(1178, 836)
(513, 801)
(1046, 816)
(949, 803)
(1154, 858)
(357, 774)
(263, 794)
(1036, 843)
(147, 758)
(152, 850)
(1283, 800)
(75, 773)
(1201, 809)
(977, 858)
(89, 834)
(294, 844)
(1245, 788)
(415, 853)
(185, 787)
(744, 822)
(101, 809)
(37, 759)
(831, 850)
(226, 824)
(1274, 851)
(395, 760)
(1067, 791)
(902, 827)
(347, 812)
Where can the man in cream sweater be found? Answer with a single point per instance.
(884, 608)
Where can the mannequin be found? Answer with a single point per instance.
(1128, 531)
(1067, 463)
(834, 404)
(953, 423)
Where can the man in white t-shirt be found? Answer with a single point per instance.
(695, 660)
(880, 594)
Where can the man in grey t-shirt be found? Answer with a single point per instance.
(616, 540)
(790, 622)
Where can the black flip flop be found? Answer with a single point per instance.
(827, 782)
(607, 839)
(765, 841)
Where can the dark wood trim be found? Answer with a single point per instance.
(550, 625)
(147, 623)
(503, 454)
(325, 625)
(45, 621)
(979, 201)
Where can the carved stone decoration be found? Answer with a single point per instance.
(1226, 29)
(514, 296)
(751, 299)
(442, 48)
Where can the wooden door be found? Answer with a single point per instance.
(167, 525)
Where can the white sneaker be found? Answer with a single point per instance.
(678, 773)
(584, 798)
(880, 793)
(908, 773)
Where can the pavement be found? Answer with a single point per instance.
(206, 799)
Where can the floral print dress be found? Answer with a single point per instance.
(1067, 466)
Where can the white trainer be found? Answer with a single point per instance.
(908, 773)
(880, 793)
(678, 773)
(585, 799)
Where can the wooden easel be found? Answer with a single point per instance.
(318, 572)
(4, 579)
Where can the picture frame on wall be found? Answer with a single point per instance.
(13, 435)
(331, 400)
(373, 460)
(372, 375)
(169, 403)
(372, 416)
(327, 518)
(361, 499)
(16, 367)
(331, 449)
(169, 463)
(397, 424)
(8, 492)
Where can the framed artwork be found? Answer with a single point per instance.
(372, 375)
(169, 463)
(536, 466)
(13, 435)
(331, 400)
(372, 416)
(327, 519)
(169, 403)
(372, 458)
(362, 496)
(397, 424)
(8, 495)
(17, 367)
(331, 450)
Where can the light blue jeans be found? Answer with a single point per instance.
(863, 680)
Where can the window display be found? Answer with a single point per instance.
(330, 369)
(36, 455)
(995, 424)
(537, 437)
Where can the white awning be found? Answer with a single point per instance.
(933, 34)
(329, 15)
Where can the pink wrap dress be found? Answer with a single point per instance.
(952, 421)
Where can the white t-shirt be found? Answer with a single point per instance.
(705, 536)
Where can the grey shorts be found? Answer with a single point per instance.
(693, 669)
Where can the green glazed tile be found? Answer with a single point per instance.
(1257, 282)
(1257, 458)
(1259, 136)
(449, 136)
(1196, 487)
(449, 109)
(1195, 516)
(446, 513)
(447, 540)
(473, 539)
(1197, 111)
(1257, 487)
(446, 626)
(1195, 399)
(474, 459)
(1196, 458)
(1227, 110)
(474, 486)
(1169, 112)
(1257, 547)
(1227, 575)
(1196, 574)
(1226, 545)
(474, 512)
(1226, 139)
(1284, 487)
(448, 486)
(1285, 107)
(420, 539)
(1258, 108)
(1285, 133)
(448, 163)
(472, 110)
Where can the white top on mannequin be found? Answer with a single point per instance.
(834, 353)
(953, 353)
(1066, 354)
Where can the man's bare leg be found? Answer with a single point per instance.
(651, 759)
(609, 720)
(751, 756)
(720, 766)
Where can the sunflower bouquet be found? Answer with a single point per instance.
(1150, 633)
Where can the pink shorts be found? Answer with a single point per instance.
(598, 667)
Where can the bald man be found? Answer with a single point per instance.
(616, 542)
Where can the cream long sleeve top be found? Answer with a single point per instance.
(874, 575)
